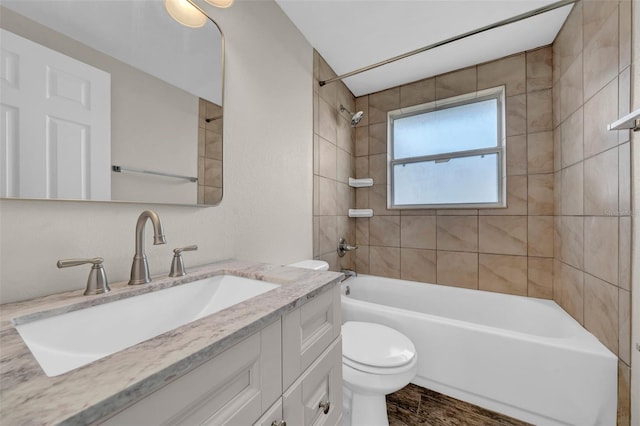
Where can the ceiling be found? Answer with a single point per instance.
(350, 34)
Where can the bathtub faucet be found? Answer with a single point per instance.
(348, 273)
(343, 247)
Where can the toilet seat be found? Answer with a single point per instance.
(375, 348)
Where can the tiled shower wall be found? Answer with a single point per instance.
(333, 164)
(505, 250)
(592, 264)
(209, 153)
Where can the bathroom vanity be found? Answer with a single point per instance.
(270, 359)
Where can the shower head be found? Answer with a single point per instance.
(355, 118)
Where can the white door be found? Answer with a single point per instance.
(56, 124)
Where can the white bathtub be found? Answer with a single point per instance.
(519, 356)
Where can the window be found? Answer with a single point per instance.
(449, 153)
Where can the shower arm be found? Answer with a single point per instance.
(513, 19)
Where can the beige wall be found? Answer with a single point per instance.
(592, 263)
(266, 211)
(506, 250)
(333, 164)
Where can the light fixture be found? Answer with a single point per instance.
(186, 13)
(220, 3)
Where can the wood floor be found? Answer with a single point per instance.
(414, 405)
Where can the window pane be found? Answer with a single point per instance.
(460, 128)
(459, 180)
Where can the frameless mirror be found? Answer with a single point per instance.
(109, 101)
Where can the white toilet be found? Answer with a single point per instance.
(376, 360)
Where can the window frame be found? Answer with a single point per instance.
(500, 149)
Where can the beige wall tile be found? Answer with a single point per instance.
(595, 15)
(344, 97)
(503, 235)
(516, 198)
(417, 93)
(539, 116)
(362, 167)
(328, 121)
(509, 71)
(345, 167)
(557, 149)
(624, 394)
(503, 274)
(378, 168)
(540, 152)
(572, 287)
(456, 83)
(377, 138)
(457, 269)
(539, 69)
(624, 179)
(316, 154)
(624, 325)
(624, 253)
(362, 260)
(601, 247)
(384, 261)
(213, 144)
(212, 173)
(418, 232)
(624, 101)
(457, 233)
(572, 240)
(362, 141)
(419, 212)
(328, 234)
(382, 102)
(345, 229)
(327, 159)
(516, 115)
(557, 281)
(571, 89)
(378, 201)
(625, 34)
(316, 236)
(331, 259)
(555, 102)
(362, 104)
(557, 193)
(601, 50)
(572, 190)
(517, 155)
(540, 236)
(362, 231)
(346, 137)
(601, 311)
(327, 197)
(601, 184)
(327, 92)
(316, 195)
(344, 198)
(572, 138)
(362, 198)
(597, 113)
(384, 231)
(568, 43)
(540, 277)
(418, 265)
(540, 194)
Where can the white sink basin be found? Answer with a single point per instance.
(67, 341)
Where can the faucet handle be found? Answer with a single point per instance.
(177, 264)
(97, 282)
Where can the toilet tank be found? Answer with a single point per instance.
(316, 265)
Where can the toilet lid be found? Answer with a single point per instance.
(376, 345)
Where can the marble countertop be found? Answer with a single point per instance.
(88, 393)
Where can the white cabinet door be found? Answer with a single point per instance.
(234, 388)
(273, 417)
(318, 390)
(308, 331)
(56, 124)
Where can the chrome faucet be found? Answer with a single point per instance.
(343, 247)
(140, 267)
(348, 273)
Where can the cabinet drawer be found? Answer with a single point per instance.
(320, 384)
(308, 331)
(233, 388)
(273, 417)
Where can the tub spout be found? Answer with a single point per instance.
(140, 267)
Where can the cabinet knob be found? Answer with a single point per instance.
(325, 405)
(279, 423)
